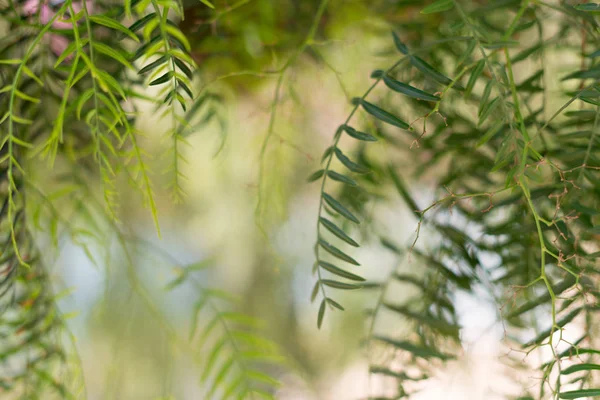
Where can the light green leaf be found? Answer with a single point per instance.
(438, 6)
(113, 24)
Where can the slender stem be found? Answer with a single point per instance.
(271, 127)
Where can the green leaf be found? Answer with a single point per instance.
(339, 208)
(341, 178)
(207, 3)
(139, 24)
(69, 50)
(438, 6)
(161, 79)
(335, 304)
(321, 314)
(383, 115)
(408, 90)
(340, 285)
(500, 44)
(315, 292)
(358, 135)
(487, 110)
(580, 367)
(315, 175)
(431, 72)
(351, 165)
(578, 394)
(403, 191)
(340, 272)
(399, 45)
(490, 133)
(334, 251)
(588, 7)
(183, 67)
(474, 76)
(333, 228)
(113, 24)
(152, 65)
(417, 351)
(595, 230)
(112, 53)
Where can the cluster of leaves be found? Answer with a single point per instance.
(236, 353)
(78, 106)
(527, 193)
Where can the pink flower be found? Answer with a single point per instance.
(45, 10)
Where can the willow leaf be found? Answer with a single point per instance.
(315, 175)
(333, 228)
(408, 90)
(335, 304)
(337, 253)
(383, 115)
(339, 208)
(580, 367)
(429, 71)
(340, 285)
(321, 314)
(351, 165)
(359, 135)
(341, 178)
(579, 394)
(340, 272)
(438, 6)
(399, 45)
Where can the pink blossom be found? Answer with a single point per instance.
(45, 10)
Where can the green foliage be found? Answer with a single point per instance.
(498, 101)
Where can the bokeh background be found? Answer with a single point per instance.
(113, 279)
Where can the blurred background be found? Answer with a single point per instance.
(247, 222)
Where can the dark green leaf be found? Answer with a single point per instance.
(340, 285)
(334, 251)
(316, 175)
(578, 394)
(335, 304)
(399, 45)
(409, 90)
(359, 135)
(588, 7)
(315, 292)
(321, 314)
(351, 165)
(580, 367)
(183, 67)
(383, 115)
(429, 71)
(162, 79)
(337, 231)
(152, 65)
(340, 272)
(139, 24)
(339, 208)
(341, 178)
